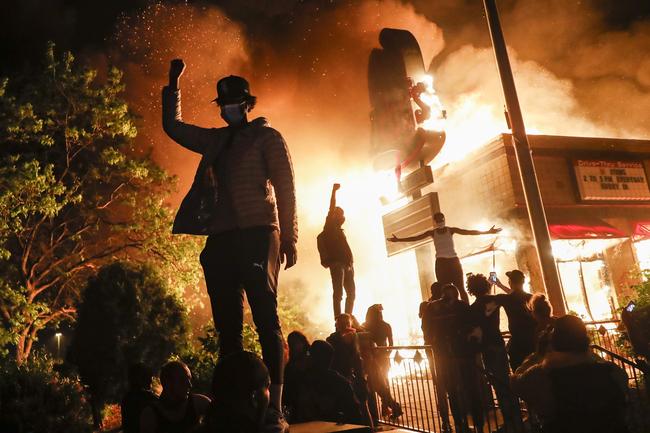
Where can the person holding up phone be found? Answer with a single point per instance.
(448, 266)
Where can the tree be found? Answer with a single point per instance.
(75, 194)
(127, 314)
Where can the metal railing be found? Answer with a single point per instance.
(460, 398)
(465, 397)
(638, 396)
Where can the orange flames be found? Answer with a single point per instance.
(315, 93)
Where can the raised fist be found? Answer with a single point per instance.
(176, 69)
(336, 186)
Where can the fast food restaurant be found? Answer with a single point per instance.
(597, 201)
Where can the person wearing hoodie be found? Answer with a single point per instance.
(570, 389)
(335, 254)
(243, 199)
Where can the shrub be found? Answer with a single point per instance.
(36, 398)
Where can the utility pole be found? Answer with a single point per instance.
(524, 156)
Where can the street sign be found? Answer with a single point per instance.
(409, 220)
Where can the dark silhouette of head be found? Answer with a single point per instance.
(176, 381)
(139, 376)
(450, 292)
(436, 290)
(516, 279)
(569, 335)
(240, 387)
(439, 219)
(478, 285)
(374, 314)
(343, 322)
(298, 345)
(234, 99)
(321, 355)
(336, 217)
(540, 307)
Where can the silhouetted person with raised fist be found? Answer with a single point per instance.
(335, 254)
(243, 200)
(448, 266)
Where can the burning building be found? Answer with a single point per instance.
(597, 201)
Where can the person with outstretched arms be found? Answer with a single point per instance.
(448, 266)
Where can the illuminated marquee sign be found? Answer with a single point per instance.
(611, 180)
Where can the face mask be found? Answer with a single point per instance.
(233, 114)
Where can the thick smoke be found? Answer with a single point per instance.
(307, 65)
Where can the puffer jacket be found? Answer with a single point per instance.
(260, 172)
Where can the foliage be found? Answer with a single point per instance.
(127, 315)
(642, 290)
(35, 398)
(112, 418)
(641, 298)
(75, 194)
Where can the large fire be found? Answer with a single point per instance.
(315, 92)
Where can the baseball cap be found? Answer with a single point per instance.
(232, 90)
(516, 275)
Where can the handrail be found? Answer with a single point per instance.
(425, 347)
(632, 363)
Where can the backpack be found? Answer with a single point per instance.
(322, 249)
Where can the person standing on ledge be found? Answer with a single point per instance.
(335, 254)
(448, 267)
(245, 169)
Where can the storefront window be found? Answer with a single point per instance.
(642, 250)
(584, 277)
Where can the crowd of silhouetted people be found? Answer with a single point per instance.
(546, 361)
(344, 379)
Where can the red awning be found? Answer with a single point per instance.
(642, 230)
(598, 230)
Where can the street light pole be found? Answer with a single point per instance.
(525, 163)
(58, 345)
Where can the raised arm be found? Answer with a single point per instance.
(458, 231)
(189, 136)
(502, 286)
(335, 188)
(419, 237)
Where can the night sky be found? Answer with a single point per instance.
(86, 25)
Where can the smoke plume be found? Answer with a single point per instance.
(307, 65)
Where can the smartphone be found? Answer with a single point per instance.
(630, 306)
(493, 278)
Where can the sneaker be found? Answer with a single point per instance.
(274, 422)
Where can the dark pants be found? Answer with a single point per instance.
(342, 278)
(519, 347)
(495, 361)
(238, 260)
(460, 381)
(449, 270)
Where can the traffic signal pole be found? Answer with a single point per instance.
(524, 156)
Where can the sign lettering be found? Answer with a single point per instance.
(611, 180)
